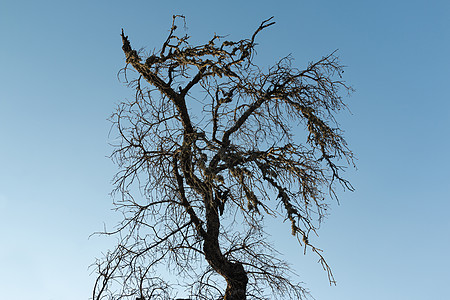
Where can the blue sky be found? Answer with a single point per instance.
(389, 239)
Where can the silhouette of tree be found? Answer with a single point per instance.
(211, 145)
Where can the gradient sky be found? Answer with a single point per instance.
(390, 239)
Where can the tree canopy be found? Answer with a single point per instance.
(210, 146)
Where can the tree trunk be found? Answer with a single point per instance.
(237, 283)
(233, 272)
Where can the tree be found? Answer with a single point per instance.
(209, 148)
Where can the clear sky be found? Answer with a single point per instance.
(390, 239)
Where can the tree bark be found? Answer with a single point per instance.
(237, 284)
(233, 272)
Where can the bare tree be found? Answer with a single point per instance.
(209, 147)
